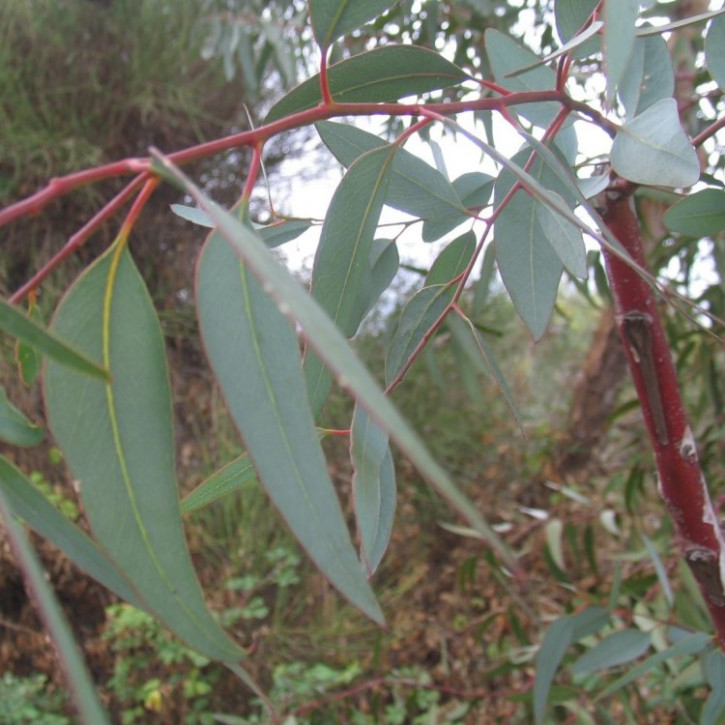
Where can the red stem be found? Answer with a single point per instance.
(681, 481)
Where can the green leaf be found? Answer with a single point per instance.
(383, 74)
(237, 475)
(340, 273)
(474, 190)
(529, 266)
(332, 19)
(417, 317)
(701, 214)
(477, 350)
(254, 353)
(620, 32)
(22, 327)
(29, 504)
(570, 16)
(329, 343)
(650, 76)
(653, 149)
(660, 570)
(713, 665)
(373, 487)
(274, 235)
(127, 483)
(383, 265)
(715, 50)
(691, 644)
(506, 57)
(28, 358)
(416, 188)
(616, 649)
(75, 669)
(453, 260)
(565, 239)
(15, 428)
(553, 648)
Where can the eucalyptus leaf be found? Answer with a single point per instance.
(715, 50)
(15, 428)
(617, 649)
(649, 77)
(653, 149)
(333, 18)
(701, 214)
(620, 32)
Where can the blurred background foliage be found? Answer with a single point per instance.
(85, 82)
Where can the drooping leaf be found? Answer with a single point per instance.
(715, 50)
(653, 149)
(506, 57)
(529, 266)
(15, 428)
(22, 327)
(30, 504)
(416, 319)
(373, 487)
(382, 267)
(616, 649)
(476, 349)
(452, 261)
(474, 190)
(649, 77)
(237, 475)
(415, 187)
(329, 343)
(28, 358)
(274, 235)
(660, 570)
(383, 74)
(570, 17)
(56, 624)
(619, 36)
(128, 485)
(713, 665)
(341, 267)
(254, 353)
(332, 19)
(565, 239)
(553, 648)
(691, 644)
(701, 214)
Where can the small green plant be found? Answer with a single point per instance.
(139, 642)
(30, 700)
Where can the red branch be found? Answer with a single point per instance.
(681, 480)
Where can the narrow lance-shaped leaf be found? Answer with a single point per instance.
(334, 349)
(128, 485)
(619, 36)
(254, 353)
(341, 266)
(415, 188)
(75, 669)
(616, 649)
(383, 74)
(22, 327)
(15, 428)
(237, 475)
(38, 513)
(332, 19)
(715, 50)
(553, 648)
(453, 260)
(373, 487)
(28, 358)
(701, 214)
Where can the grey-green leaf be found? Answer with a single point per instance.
(22, 327)
(128, 485)
(15, 428)
(453, 260)
(565, 238)
(373, 487)
(619, 35)
(332, 19)
(715, 50)
(416, 319)
(570, 16)
(653, 149)
(383, 74)
(649, 77)
(254, 353)
(416, 188)
(701, 214)
(30, 504)
(553, 647)
(237, 475)
(341, 268)
(616, 649)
